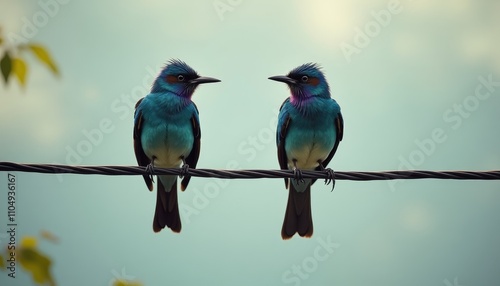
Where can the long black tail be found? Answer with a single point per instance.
(298, 216)
(167, 209)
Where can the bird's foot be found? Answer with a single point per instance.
(297, 175)
(184, 171)
(330, 176)
(150, 168)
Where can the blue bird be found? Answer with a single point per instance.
(167, 133)
(310, 127)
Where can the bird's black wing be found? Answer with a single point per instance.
(281, 136)
(192, 158)
(339, 127)
(142, 158)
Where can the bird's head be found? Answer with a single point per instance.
(179, 78)
(305, 81)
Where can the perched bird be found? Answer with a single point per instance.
(167, 133)
(310, 127)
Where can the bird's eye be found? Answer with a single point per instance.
(180, 77)
(304, 78)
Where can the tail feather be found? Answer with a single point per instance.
(298, 215)
(167, 209)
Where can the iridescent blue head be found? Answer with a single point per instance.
(179, 78)
(305, 82)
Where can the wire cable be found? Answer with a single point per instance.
(249, 174)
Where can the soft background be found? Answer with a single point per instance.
(403, 85)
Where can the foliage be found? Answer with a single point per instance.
(31, 260)
(37, 264)
(12, 62)
(120, 282)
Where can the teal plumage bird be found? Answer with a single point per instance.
(167, 134)
(310, 127)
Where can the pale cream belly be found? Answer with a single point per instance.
(307, 157)
(168, 157)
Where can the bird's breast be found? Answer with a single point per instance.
(168, 142)
(309, 145)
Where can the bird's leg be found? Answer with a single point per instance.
(185, 168)
(330, 174)
(297, 173)
(150, 168)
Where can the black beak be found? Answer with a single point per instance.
(203, 79)
(283, 78)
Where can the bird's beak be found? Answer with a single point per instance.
(283, 78)
(203, 79)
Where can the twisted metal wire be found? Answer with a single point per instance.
(248, 174)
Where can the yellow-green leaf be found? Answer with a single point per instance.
(2, 263)
(43, 55)
(35, 262)
(120, 282)
(6, 66)
(19, 69)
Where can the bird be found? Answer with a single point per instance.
(310, 128)
(167, 134)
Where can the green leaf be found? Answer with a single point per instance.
(6, 66)
(43, 55)
(19, 68)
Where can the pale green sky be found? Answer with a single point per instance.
(405, 73)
